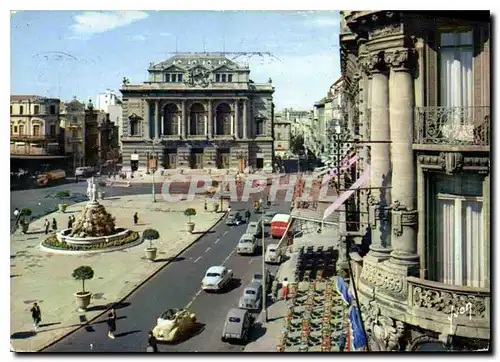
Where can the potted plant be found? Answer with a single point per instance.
(25, 219)
(83, 273)
(151, 234)
(190, 225)
(62, 207)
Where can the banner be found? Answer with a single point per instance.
(340, 200)
(358, 338)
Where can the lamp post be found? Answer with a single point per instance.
(154, 141)
(264, 294)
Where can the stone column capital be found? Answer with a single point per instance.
(375, 63)
(400, 59)
(402, 216)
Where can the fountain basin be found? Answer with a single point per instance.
(63, 236)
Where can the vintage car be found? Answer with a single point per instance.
(237, 325)
(254, 228)
(268, 217)
(252, 297)
(247, 244)
(216, 278)
(173, 324)
(257, 278)
(273, 255)
(234, 218)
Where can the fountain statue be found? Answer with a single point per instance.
(94, 220)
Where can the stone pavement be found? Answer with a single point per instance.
(38, 276)
(275, 313)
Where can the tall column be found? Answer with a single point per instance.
(206, 125)
(179, 124)
(147, 118)
(210, 120)
(184, 119)
(232, 124)
(162, 125)
(380, 175)
(403, 192)
(156, 118)
(236, 118)
(245, 122)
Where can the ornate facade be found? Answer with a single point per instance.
(198, 111)
(421, 86)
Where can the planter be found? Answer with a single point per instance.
(101, 195)
(189, 227)
(151, 253)
(83, 300)
(24, 227)
(62, 207)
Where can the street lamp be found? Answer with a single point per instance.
(154, 142)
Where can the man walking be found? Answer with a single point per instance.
(152, 343)
(284, 289)
(70, 221)
(46, 225)
(111, 321)
(54, 225)
(36, 314)
(136, 218)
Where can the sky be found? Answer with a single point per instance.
(63, 54)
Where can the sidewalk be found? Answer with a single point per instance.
(37, 276)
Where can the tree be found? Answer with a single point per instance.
(83, 273)
(190, 212)
(297, 145)
(125, 81)
(150, 234)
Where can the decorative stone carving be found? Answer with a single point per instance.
(376, 62)
(445, 302)
(401, 216)
(377, 277)
(401, 59)
(451, 161)
(197, 77)
(384, 333)
(388, 30)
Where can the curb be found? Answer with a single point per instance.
(136, 288)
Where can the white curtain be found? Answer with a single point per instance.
(456, 84)
(460, 241)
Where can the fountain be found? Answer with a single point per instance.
(94, 229)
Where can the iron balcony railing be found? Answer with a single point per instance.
(460, 126)
(25, 137)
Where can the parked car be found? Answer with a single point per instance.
(254, 228)
(173, 324)
(247, 244)
(257, 278)
(234, 218)
(216, 278)
(273, 255)
(237, 325)
(252, 296)
(268, 217)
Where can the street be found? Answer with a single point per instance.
(174, 287)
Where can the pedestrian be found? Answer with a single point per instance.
(136, 218)
(284, 289)
(205, 205)
(111, 321)
(54, 225)
(152, 343)
(36, 314)
(46, 224)
(16, 212)
(70, 222)
(247, 215)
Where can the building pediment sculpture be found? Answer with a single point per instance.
(384, 333)
(198, 77)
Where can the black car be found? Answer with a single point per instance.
(234, 218)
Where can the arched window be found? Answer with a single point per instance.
(197, 119)
(36, 130)
(170, 119)
(223, 119)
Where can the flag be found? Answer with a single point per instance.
(358, 339)
(340, 200)
(343, 290)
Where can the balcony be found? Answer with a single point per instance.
(445, 127)
(449, 309)
(33, 138)
(32, 150)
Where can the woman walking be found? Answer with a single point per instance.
(36, 314)
(284, 289)
(111, 325)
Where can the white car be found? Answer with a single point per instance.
(216, 278)
(273, 255)
(247, 244)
